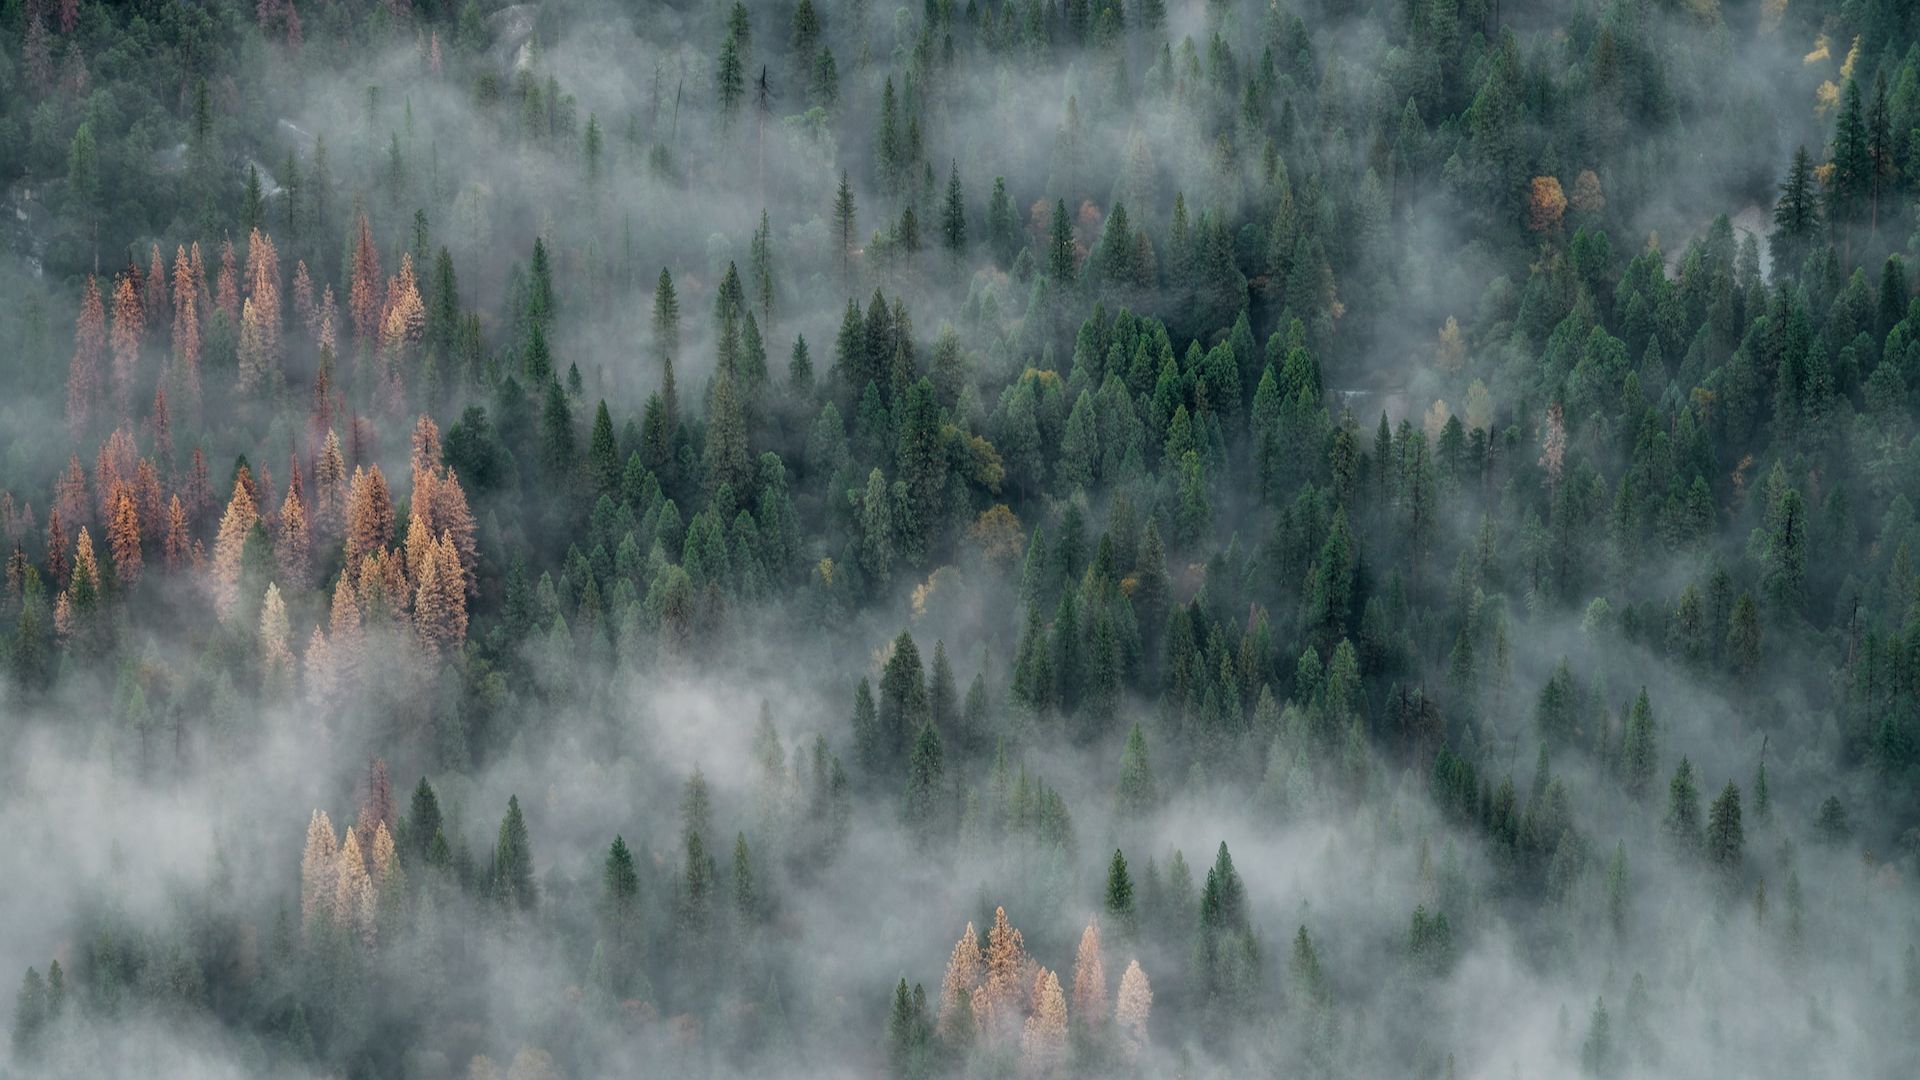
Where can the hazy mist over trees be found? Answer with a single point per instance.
(984, 538)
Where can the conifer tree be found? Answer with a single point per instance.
(235, 525)
(1132, 1008)
(512, 876)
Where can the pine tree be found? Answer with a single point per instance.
(513, 884)
(1682, 821)
(953, 214)
(1138, 793)
(966, 967)
(926, 785)
(845, 228)
(666, 318)
(730, 80)
(1796, 216)
(1725, 838)
(1119, 897)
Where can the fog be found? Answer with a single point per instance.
(1361, 226)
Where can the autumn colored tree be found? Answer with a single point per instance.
(89, 345)
(369, 525)
(129, 330)
(1043, 1043)
(1132, 1009)
(276, 660)
(293, 545)
(226, 290)
(186, 332)
(1003, 991)
(440, 604)
(176, 548)
(344, 631)
(1090, 981)
(123, 536)
(330, 486)
(353, 896)
(1546, 205)
(235, 524)
(318, 874)
(363, 291)
(965, 969)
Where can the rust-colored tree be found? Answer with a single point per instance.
(70, 493)
(363, 289)
(83, 373)
(123, 536)
(186, 332)
(154, 288)
(292, 549)
(376, 803)
(306, 306)
(330, 487)
(226, 291)
(1546, 205)
(1003, 993)
(160, 426)
(57, 565)
(113, 465)
(129, 329)
(176, 548)
(369, 525)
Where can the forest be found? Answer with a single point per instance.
(1029, 539)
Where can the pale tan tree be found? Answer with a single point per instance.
(344, 633)
(1090, 980)
(353, 898)
(965, 969)
(440, 602)
(318, 666)
(1043, 1043)
(383, 855)
(276, 660)
(1132, 1009)
(235, 524)
(318, 873)
(1003, 991)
